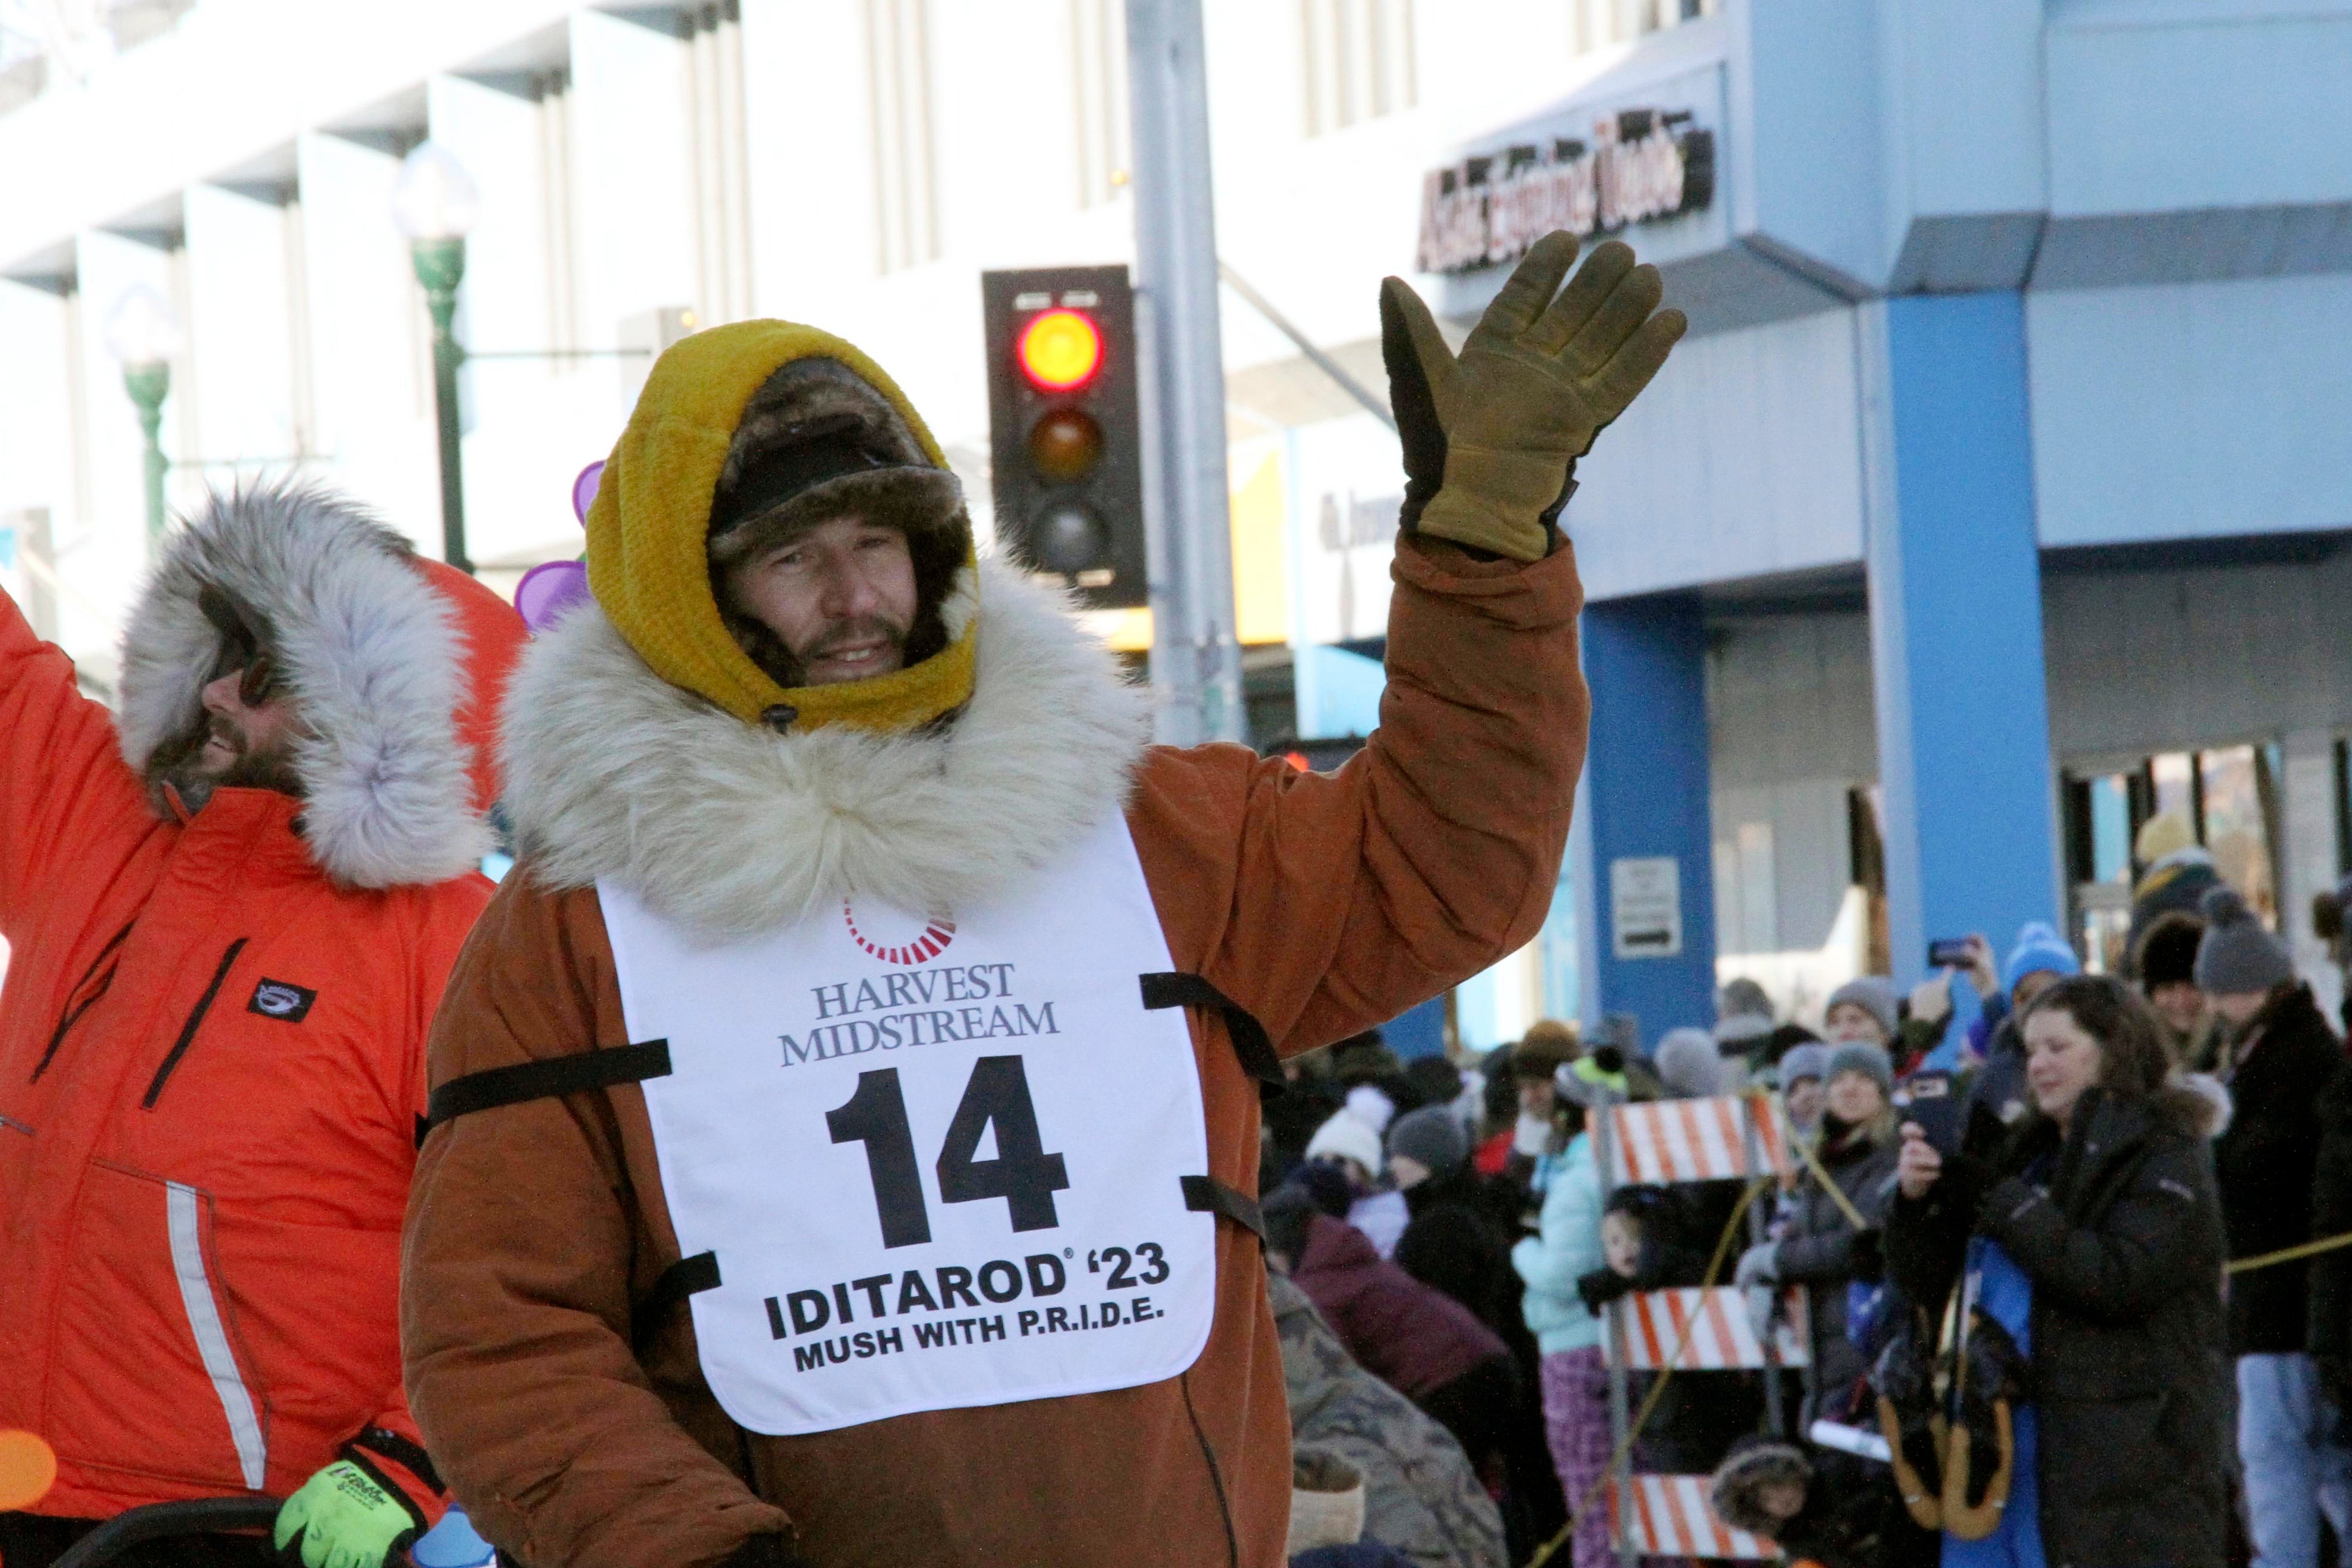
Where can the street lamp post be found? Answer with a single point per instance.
(143, 334)
(433, 202)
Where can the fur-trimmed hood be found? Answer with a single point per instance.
(395, 664)
(729, 828)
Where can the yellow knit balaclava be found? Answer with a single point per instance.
(647, 565)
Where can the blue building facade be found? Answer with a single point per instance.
(1998, 500)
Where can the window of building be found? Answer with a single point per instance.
(1098, 79)
(1595, 24)
(1358, 60)
(2229, 798)
(899, 87)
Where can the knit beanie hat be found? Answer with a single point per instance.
(2237, 955)
(2038, 948)
(1810, 1060)
(1372, 1105)
(1754, 1464)
(1550, 1045)
(1345, 1136)
(2166, 833)
(1743, 997)
(2168, 950)
(1430, 1137)
(1857, 1056)
(1689, 1064)
(1874, 994)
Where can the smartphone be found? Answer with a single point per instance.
(1932, 1101)
(1950, 953)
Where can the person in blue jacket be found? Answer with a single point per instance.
(1575, 1374)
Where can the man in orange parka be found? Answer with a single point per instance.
(230, 911)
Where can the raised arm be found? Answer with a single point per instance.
(67, 800)
(1325, 905)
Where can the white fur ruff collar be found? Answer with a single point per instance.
(730, 829)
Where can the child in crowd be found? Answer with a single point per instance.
(1575, 1375)
(1818, 1506)
(1804, 1078)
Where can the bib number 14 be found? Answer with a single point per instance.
(1023, 1174)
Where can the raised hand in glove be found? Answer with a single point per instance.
(1491, 438)
(347, 1515)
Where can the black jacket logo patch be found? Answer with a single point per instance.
(281, 1000)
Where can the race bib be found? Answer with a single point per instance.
(938, 1158)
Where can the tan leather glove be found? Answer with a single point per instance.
(1495, 433)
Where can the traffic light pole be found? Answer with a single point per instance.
(1194, 656)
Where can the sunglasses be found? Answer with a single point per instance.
(242, 654)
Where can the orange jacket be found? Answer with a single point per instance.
(211, 1034)
(564, 1398)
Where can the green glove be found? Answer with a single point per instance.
(1535, 383)
(346, 1516)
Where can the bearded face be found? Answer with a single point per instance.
(246, 738)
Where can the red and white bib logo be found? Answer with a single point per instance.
(910, 944)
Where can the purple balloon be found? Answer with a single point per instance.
(548, 589)
(584, 489)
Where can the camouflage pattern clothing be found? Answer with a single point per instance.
(1421, 1496)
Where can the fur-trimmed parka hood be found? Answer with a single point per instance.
(395, 664)
(731, 829)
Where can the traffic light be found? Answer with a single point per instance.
(1065, 438)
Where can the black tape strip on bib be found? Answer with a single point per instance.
(1252, 1044)
(1207, 1195)
(672, 1286)
(548, 1080)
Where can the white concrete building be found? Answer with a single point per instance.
(1944, 551)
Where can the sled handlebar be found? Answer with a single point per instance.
(199, 1516)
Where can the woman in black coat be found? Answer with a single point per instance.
(2105, 1197)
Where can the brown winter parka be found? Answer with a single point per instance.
(561, 1396)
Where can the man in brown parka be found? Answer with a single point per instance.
(843, 1127)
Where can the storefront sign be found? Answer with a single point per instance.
(1641, 164)
(1645, 906)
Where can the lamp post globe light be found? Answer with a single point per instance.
(144, 335)
(435, 204)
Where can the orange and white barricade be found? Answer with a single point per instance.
(1727, 1138)
(1713, 1328)
(1669, 1517)
(1672, 1141)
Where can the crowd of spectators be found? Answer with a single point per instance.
(2037, 1217)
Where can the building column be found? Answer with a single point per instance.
(1956, 623)
(1644, 846)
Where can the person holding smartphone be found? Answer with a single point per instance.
(2098, 1214)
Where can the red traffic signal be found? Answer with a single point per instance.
(1066, 434)
(1060, 350)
